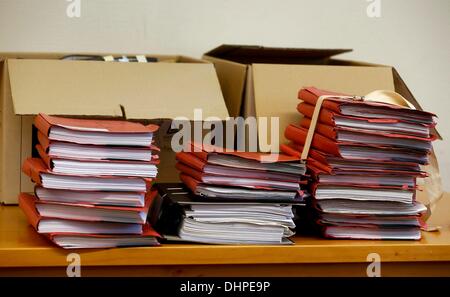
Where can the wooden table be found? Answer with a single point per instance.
(24, 252)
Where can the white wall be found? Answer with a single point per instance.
(412, 35)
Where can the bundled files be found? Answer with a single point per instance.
(364, 160)
(93, 182)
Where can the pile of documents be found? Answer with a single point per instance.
(245, 198)
(93, 182)
(364, 159)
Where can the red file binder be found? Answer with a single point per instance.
(44, 123)
(372, 232)
(127, 153)
(98, 132)
(334, 164)
(145, 235)
(347, 149)
(100, 213)
(392, 125)
(331, 131)
(35, 169)
(360, 108)
(116, 198)
(344, 220)
(239, 180)
(189, 161)
(50, 162)
(28, 205)
(380, 179)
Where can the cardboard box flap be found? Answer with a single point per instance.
(137, 90)
(248, 54)
(94, 55)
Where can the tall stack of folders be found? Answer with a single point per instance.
(364, 160)
(93, 182)
(238, 197)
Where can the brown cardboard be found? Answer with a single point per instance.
(33, 83)
(269, 78)
(232, 65)
(144, 90)
(232, 77)
(26, 185)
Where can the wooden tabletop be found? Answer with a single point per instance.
(21, 246)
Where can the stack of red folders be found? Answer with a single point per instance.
(247, 197)
(364, 159)
(93, 182)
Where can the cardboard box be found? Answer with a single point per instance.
(264, 82)
(158, 91)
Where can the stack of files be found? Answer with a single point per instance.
(247, 198)
(184, 216)
(73, 225)
(93, 182)
(211, 172)
(364, 160)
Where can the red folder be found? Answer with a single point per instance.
(372, 233)
(27, 205)
(83, 197)
(28, 202)
(328, 117)
(327, 145)
(34, 167)
(295, 149)
(298, 135)
(190, 182)
(198, 175)
(189, 162)
(315, 185)
(192, 160)
(45, 143)
(310, 95)
(322, 161)
(370, 221)
(147, 238)
(48, 160)
(360, 179)
(238, 180)
(331, 131)
(44, 123)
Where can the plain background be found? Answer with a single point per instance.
(412, 35)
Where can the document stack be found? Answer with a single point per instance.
(364, 159)
(93, 182)
(240, 197)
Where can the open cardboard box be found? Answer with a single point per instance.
(156, 91)
(264, 82)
